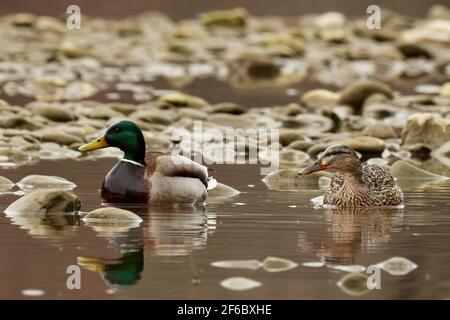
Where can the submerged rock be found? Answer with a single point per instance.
(355, 94)
(44, 202)
(111, 215)
(238, 264)
(35, 181)
(404, 169)
(222, 190)
(181, 100)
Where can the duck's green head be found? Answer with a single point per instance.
(124, 135)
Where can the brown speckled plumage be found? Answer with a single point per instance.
(356, 184)
(376, 188)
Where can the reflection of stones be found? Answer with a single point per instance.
(354, 284)
(5, 184)
(289, 179)
(44, 213)
(354, 229)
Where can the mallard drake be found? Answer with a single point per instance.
(142, 177)
(355, 184)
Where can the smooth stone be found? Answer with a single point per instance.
(163, 117)
(319, 98)
(406, 170)
(309, 123)
(380, 130)
(300, 145)
(54, 112)
(355, 94)
(45, 182)
(330, 20)
(227, 107)
(286, 136)
(222, 190)
(225, 18)
(58, 136)
(427, 128)
(181, 100)
(194, 114)
(445, 89)
(414, 50)
(111, 215)
(354, 284)
(42, 202)
(19, 122)
(240, 284)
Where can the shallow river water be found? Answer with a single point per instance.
(169, 255)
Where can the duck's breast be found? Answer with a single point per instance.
(125, 183)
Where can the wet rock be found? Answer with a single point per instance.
(111, 215)
(380, 130)
(222, 190)
(192, 114)
(181, 100)
(287, 136)
(71, 49)
(33, 182)
(164, 117)
(404, 169)
(22, 19)
(354, 284)
(225, 18)
(330, 20)
(44, 202)
(300, 145)
(284, 45)
(427, 128)
(319, 98)
(227, 107)
(414, 50)
(438, 11)
(240, 284)
(54, 112)
(397, 266)
(5, 184)
(355, 94)
(313, 123)
(445, 89)
(419, 151)
(355, 268)
(56, 135)
(338, 35)
(19, 122)
(254, 67)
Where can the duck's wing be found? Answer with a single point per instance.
(377, 178)
(172, 165)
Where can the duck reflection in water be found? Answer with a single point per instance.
(166, 231)
(352, 230)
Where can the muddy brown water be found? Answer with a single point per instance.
(169, 255)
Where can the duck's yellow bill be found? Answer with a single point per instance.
(99, 143)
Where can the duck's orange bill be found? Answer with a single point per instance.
(99, 143)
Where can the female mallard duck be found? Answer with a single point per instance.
(355, 184)
(147, 177)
